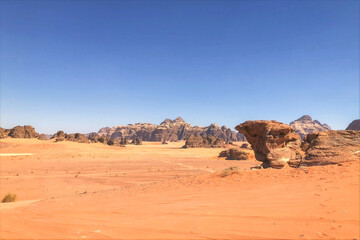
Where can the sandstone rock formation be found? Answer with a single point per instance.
(26, 131)
(305, 125)
(197, 141)
(169, 130)
(274, 143)
(4, 133)
(235, 154)
(354, 125)
(137, 141)
(113, 142)
(73, 137)
(246, 146)
(42, 137)
(103, 139)
(94, 137)
(59, 136)
(331, 147)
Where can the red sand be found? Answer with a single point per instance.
(154, 191)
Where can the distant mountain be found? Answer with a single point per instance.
(169, 130)
(354, 125)
(305, 125)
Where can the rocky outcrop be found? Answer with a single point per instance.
(136, 141)
(354, 125)
(94, 137)
(73, 137)
(26, 131)
(58, 136)
(305, 125)
(103, 139)
(235, 154)
(331, 147)
(43, 137)
(4, 133)
(170, 131)
(196, 141)
(246, 146)
(274, 143)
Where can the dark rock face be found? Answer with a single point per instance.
(169, 130)
(305, 125)
(331, 147)
(196, 141)
(23, 132)
(113, 142)
(103, 139)
(274, 143)
(137, 141)
(235, 154)
(354, 125)
(94, 137)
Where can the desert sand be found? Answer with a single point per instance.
(69, 190)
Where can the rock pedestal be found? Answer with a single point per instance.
(274, 143)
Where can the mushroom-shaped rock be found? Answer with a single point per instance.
(274, 143)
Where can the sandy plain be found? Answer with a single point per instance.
(70, 190)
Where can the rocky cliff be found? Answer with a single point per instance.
(169, 130)
(305, 125)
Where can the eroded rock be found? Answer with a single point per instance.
(331, 147)
(274, 143)
(235, 154)
(26, 131)
(197, 141)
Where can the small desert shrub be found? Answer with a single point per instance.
(229, 171)
(9, 198)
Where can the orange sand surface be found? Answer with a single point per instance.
(154, 191)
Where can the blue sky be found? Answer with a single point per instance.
(82, 65)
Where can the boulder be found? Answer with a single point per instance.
(235, 154)
(331, 147)
(246, 146)
(274, 143)
(354, 125)
(26, 131)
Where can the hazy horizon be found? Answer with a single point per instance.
(78, 66)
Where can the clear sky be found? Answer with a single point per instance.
(82, 65)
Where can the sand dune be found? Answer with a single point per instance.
(154, 191)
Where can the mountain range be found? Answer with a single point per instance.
(169, 130)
